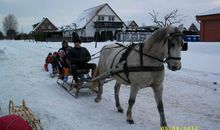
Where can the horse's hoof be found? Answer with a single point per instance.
(120, 110)
(164, 125)
(130, 121)
(97, 99)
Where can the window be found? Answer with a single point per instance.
(101, 18)
(43, 27)
(111, 18)
(49, 27)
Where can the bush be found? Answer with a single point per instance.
(40, 36)
(11, 34)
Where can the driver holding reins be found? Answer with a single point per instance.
(79, 57)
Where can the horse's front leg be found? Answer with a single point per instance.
(131, 101)
(117, 100)
(158, 90)
(100, 90)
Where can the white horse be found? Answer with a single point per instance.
(140, 67)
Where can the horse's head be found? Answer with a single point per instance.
(174, 44)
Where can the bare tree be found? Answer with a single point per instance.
(10, 25)
(168, 20)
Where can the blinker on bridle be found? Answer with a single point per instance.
(171, 36)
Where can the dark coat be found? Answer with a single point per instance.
(79, 56)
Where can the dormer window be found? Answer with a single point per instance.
(101, 18)
(111, 18)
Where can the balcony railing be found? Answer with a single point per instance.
(104, 24)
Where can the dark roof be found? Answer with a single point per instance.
(35, 26)
(193, 28)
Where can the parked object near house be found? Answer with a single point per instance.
(192, 34)
(136, 34)
(209, 25)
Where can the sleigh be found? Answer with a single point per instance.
(26, 113)
(70, 86)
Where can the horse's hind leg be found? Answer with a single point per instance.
(158, 90)
(133, 94)
(117, 101)
(100, 89)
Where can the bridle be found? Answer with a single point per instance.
(168, 39)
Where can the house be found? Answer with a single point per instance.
(46, 31)
(44, 26)
(101, 19)
(193, 28)
(131, 24)
(209, 25)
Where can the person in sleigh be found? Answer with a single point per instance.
(79, 57)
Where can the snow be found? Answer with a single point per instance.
(87, 15)
(191, 97)
(210, 12)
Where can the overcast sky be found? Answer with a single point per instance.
(64, 12)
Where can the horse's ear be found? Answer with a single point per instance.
(180, 27)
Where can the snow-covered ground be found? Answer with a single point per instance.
(191, 96)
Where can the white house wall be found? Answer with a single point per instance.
(106, 11)
(90, 30)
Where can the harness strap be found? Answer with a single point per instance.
(141, 53)
(139, 69)
(116, 56)
(124, 58)
(146, 68)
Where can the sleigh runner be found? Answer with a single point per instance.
(74, 89)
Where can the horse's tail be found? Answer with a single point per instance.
(96, 73)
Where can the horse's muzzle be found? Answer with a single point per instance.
(174, 67)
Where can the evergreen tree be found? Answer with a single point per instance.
(97, 37)
(110, 35)
(103, 36)
(75, 36)
(1, 35)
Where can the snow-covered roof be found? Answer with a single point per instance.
(210, 12)
(87, 15)
(128, 22)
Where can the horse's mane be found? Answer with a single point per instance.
(157, 36)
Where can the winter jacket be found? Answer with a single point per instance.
(49, 59)
(66, 49)
(79, 56)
